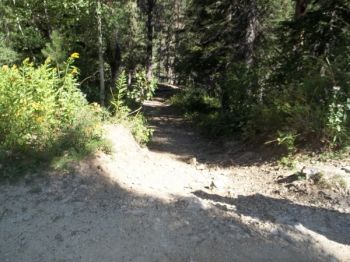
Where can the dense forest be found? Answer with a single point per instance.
(269, 71)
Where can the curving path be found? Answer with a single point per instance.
(171, 202)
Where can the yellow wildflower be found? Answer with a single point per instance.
(48, 60)
(75, 55)
(74, 70)
(5, 67)
(26, 61)
(39, 119)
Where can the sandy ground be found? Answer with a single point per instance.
(173, 201)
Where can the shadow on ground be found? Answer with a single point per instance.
(177, 136)
(84, 216)
(331, 224)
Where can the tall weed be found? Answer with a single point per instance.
(43, 112)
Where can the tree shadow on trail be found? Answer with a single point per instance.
(85, 216)
(331, 224)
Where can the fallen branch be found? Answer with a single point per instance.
(135, 111)
(87, 78)
(277, 140)
(169, 85)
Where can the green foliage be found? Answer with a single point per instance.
(44, 113)
(287, 139)
(195, 100)
(203, 109)
(290, 86)
(337, 121)
(7, 54)
(120, 93)
(64, 160)
(142, 88)
(122, 97)
(258, 71)
(136, 123)
(308, 91)
(55, 49)
(140, 129)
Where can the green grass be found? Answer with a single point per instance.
(59, 158)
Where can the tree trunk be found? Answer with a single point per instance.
(167, 63)
(251, 33)
(100, 54)
(17, 19)
(149, 49)
(300, 10)
(300, 7)
(178, 25)
(160, 56)
(49, 28)
(130, 75)
(114, 57)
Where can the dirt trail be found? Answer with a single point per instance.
(171, 202)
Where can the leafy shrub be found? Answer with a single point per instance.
(120, 93)
(42, 112)
(193, 100)
(314, 108)
(55, 49)
(139, 128)
(136, 123)
(7, 55)
(203, 109)
(295, 91)
(308, 91)
(121, 104)
(142, 89)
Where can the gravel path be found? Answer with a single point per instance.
(173, 201)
